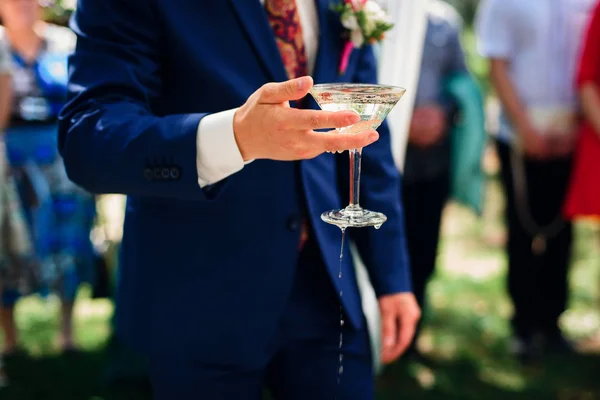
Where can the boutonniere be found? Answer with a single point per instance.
(365, 21)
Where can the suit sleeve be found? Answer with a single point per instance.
(384, 251)
(109, 137)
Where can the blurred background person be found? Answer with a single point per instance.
(426, 174)
(15, 245)
(59, 214)
(583, 199)
(532, 46)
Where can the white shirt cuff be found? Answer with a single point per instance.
(218, 155)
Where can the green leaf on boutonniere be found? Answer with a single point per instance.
(379, 31)
(361, 17)
(339, 7)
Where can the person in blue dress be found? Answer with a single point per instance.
(15, 243)
(59, 214)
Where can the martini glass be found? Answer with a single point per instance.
(373, 103)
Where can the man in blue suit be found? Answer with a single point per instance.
(229, 279)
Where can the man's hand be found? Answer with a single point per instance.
(562, 144)
(399, 316)
(266, 127)
(535, 144)
(427, 126)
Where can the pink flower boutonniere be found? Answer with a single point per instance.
(365, 21)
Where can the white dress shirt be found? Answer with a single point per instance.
(218, 155)
(540, 39)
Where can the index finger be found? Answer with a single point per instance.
(388, 336)
(318, 119)
(406, 333)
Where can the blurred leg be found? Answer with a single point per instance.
(522, 265)
(554, 283)
(10, 329)
(7, 320)
(68, 290)
(191, 380)
(66, 332)
(3, 378)
(306, 362)
(553, 275)
(67, 238)
(423, 204)
(308, 369)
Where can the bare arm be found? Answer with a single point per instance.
(590, 102)
(587, 74)
(508, 95)
(5, 100)
(534, 144)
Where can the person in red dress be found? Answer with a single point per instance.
(583, 198)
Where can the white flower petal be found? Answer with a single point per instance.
(372, 7)
(369, 26)
(349, 21)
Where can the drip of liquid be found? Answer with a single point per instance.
(342, 322)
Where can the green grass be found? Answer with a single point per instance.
(465, 334)
(466, 328)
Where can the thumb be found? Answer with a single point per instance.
(388, 331)
(294, 89)
(406, 332)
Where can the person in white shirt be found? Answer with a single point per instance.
(533, 48)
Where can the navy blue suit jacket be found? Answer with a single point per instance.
(208, 271)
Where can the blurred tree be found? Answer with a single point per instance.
(466, 8)
(58, 11)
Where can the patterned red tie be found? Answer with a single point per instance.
(285, 21)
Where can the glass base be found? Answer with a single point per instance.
(354, 217)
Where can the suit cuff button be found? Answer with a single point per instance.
(148, 174)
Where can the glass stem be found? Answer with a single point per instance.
(355, 158)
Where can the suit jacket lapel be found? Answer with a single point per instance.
(253, 18)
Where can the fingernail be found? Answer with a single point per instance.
(353, 118)
(303, 82)
(373, 136)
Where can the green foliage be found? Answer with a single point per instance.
(466, 8)
(59, 11)
(477, 64)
